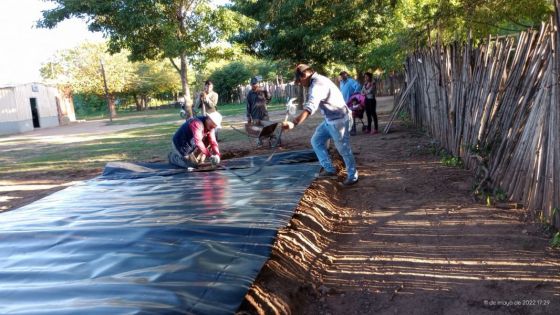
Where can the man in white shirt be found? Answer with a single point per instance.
(324, 95)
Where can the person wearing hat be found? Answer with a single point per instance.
(195, 140)
(325, 96)
(257, 99)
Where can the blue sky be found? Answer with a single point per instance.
(24, 47)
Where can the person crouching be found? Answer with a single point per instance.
(195, 140)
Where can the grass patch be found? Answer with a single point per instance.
(172, 114)
(139, 144)
(147, 143)
(555, 242)
(404, 117)
(146, 117)
(448, 159)
(150, 143)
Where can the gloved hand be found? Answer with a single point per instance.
(196, 158)
(288, 125)
(215, 160)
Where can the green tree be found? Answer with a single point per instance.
(320, 32)
(178, 30)
(375, 34)
(79, 70)
(453, 19)
(227, 79)
(151, 78)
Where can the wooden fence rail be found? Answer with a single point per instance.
(386, 86)
(497, 107)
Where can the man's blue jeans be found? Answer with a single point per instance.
(340, 134)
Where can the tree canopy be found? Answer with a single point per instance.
(330, 34)
(375, 34)
(319, 32)
(227, 76)
(179, 30)
(79, 68)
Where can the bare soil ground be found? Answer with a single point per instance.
(408, 238)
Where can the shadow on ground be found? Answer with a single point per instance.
(408, 238)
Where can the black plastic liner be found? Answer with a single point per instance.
(129, 170)
(166, 242)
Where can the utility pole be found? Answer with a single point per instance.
(106, 91)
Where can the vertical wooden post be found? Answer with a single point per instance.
(106, 91)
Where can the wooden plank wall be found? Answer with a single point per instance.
(496, 107)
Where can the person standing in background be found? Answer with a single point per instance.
(348, 86)
(207, 100)
(257, 101)
(369, 90)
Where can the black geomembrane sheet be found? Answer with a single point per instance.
(150, 239)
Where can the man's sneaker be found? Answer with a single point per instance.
(325, 174)
(349, 181)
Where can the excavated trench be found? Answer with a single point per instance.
(297, 259)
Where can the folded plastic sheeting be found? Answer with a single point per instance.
(162, 244)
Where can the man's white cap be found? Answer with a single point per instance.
(216, 118)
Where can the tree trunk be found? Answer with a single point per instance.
(392, 83)
(112, 109)
(185, 85)
(138, 103)
(144, 102)
(110, 98)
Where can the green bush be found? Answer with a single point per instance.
(86, 104)
(228, 78)
(448, 159)
(555, 242)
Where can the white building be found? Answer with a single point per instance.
(27, 106)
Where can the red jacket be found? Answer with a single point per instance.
(192, 135)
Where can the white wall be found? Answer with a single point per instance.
(46, 104)
(8, 110)
(15, 107)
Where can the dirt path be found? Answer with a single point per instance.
(84, 128)
(407, 239)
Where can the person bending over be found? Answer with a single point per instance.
(323, 94)
(195, 140)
